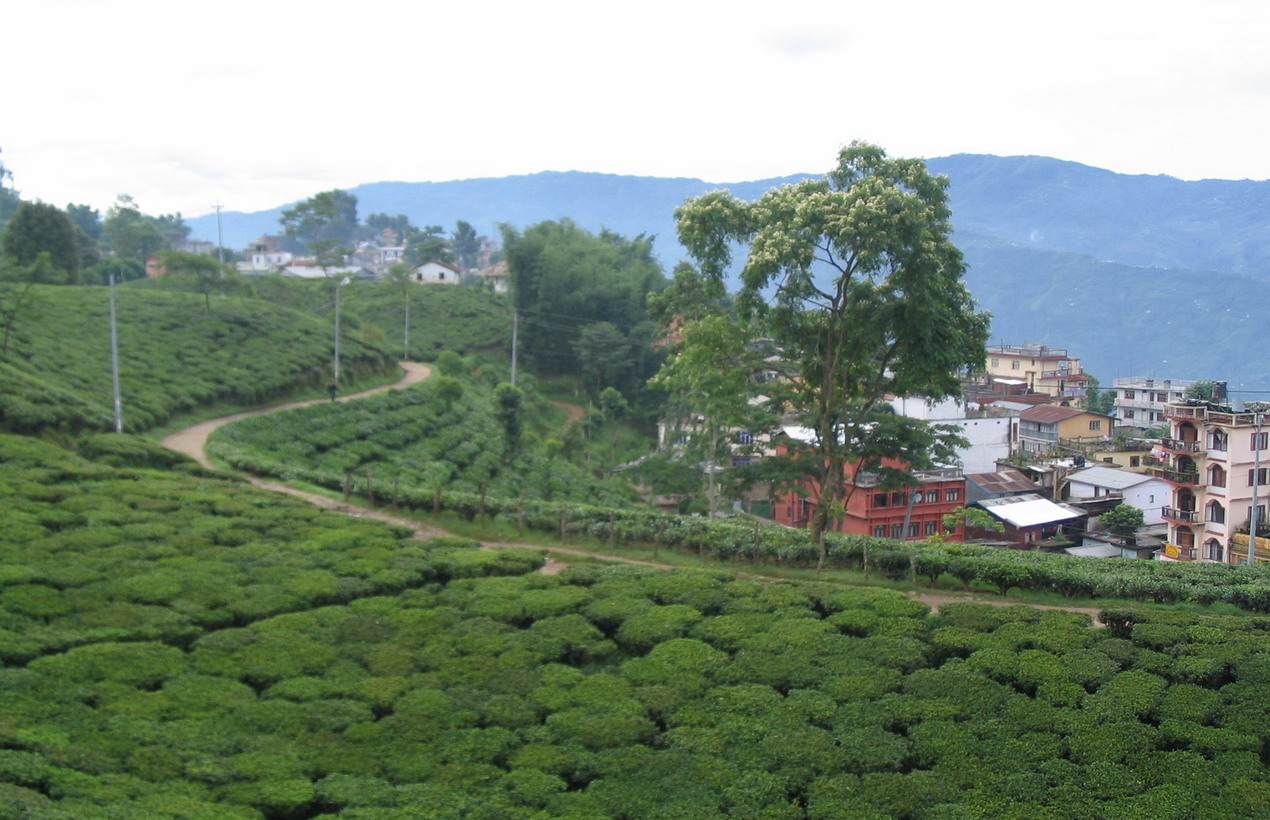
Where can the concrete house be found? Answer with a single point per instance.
(1145, 492)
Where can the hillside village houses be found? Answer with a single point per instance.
(370, 260)
(1031, 440)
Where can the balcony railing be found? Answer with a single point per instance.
(1176, 476)
(1180, 446)
(1205, 413)
(1186, 516)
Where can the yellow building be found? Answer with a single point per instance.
(1047, 370)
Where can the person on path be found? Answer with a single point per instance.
(333, 389)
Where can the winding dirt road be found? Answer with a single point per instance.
(192, 441)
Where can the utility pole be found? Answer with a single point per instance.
(515, 327)
(1256, 481)
(114, 358)
(335, 371)
(220, 243)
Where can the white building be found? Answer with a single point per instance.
(1140, 400)
(988, 430)
(1146, 493)
(438, 272)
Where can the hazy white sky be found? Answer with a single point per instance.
(256, 104)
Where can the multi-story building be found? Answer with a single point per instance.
(909, 513)
(1048, 370)
(1043, 427)
(1216, 461)
(1140, 400)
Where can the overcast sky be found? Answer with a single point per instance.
(257, 104)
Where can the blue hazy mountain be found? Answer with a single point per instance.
(1137, 275)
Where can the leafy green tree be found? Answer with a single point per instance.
(856, 279)
(1098, 400)
(603, 354)
(329, 217)
(9, 199)
(1123, 520)
(37, 228)
(1200, 390)
(466, 244)
(207, 275)
(711, 379)
(565, 279)
(427, 245)
(508, 402)
(400, 224)
(130, 234)
(689, 296)
(88, 221)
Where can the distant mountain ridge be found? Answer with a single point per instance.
(1137, 275)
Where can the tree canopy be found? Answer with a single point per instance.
(37, 228)
(329, 217)
(576, 290)
(855, 278)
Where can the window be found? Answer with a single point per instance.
(1257, 477)
(1216, 476)
(879, 531)
(1096, 424)
(1213, 550)
(932, 527)
(1218, 441)
(1126, 414)
(1129, 394)
(1215, 512)
(1161, 397)
(996, 362)
(1135, 461)
(1014, 365)
(932, 496)
(914, 529)
(897, 531)
(898, 499)
(952, 495)
(879, 500)
(744, 437)
(1259, 440)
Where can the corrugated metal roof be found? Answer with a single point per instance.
(1029, 510)
(1004, 482)
(1109, 477)
(1049, 413)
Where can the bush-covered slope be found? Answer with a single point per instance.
(179, 646)
(463, 319)
(441, 436)
(174, 356)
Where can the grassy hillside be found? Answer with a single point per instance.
(174, 356)
(175, 645)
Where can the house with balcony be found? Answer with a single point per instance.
(1043, 369)
(1140, 400)
(1043, 428)
(904, 513)
(1216, 462)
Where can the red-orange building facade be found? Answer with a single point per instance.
(882, 513)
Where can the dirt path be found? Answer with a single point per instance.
(192, 441)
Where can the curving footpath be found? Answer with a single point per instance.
(192, 441)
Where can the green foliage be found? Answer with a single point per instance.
(583, 302)
(867, 300)
(37, 228)
(174, 357)
(1123, 520)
